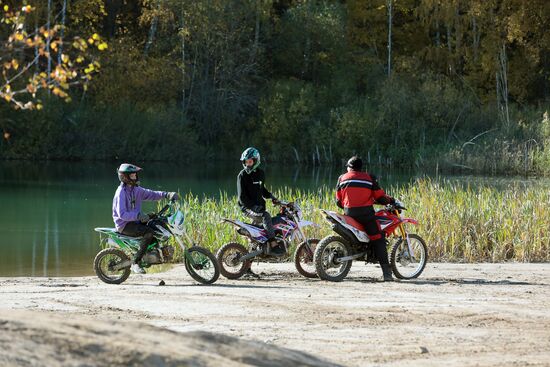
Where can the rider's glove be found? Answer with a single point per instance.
(143, 218)
(172, 196)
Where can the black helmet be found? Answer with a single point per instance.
(124, 172)
(355, 163)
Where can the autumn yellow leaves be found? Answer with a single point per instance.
(42, 59)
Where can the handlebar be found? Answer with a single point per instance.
(287, 204)
(398, 205)
(165, 208)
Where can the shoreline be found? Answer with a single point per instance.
(165, 268)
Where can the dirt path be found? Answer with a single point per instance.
(457, 315)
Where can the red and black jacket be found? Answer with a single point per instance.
(357, 191)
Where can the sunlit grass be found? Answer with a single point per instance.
(459, 222)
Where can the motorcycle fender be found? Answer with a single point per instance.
(305, 223)
(410, 220)
(112, 243)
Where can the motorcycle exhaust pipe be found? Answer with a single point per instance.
(250, 255)
(122, 265)
(351, 257)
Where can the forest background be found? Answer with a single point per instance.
(415, 83)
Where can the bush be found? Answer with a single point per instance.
(90, 132)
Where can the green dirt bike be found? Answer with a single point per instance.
(112, 264)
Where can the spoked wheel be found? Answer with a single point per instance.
(303, 258)
(408, 262)
(106, 266)
(229, 259)
(326, 254)
(202, 265)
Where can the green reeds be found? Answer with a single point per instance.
(459, 222)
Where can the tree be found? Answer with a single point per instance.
(35, 60)
(389, 6)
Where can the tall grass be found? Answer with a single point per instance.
(459, 222)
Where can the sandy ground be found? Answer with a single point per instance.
(455, 314)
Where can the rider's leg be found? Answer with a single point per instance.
(135, 229)
(273, 245)
(262, 215)
(268, 225)
(378, 243)
(147, 239)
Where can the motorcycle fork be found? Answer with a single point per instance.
(405, 237)
(181, 243)
(301, 236)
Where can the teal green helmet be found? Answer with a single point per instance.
(250, 153)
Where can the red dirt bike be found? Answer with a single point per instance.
(334, 254)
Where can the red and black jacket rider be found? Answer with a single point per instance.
(357, 192)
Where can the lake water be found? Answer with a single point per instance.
(48, 210)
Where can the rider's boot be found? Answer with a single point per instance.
(273, 248)
(137, 269)
(387, 273)
(250, 274)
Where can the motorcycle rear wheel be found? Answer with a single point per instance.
(228, 258)
(329, 249)
(105, 260)
(303, 258)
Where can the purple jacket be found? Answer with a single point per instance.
(127, 203)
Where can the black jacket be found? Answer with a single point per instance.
(251, 190)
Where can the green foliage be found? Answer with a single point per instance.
(290, 107)
(309, 42)
(542, 157)
(90, 132)
(126, 77)
(306, 80)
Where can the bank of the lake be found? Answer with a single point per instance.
(49, 210)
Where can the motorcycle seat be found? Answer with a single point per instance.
(113, 231)
(349, 220)
(255, 224)
(275, 220)
(124, 237)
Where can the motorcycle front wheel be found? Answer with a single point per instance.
(202, 265)
(325, 258)
(408, 262)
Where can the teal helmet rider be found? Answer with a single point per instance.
(250, 153)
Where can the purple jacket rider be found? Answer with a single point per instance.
(127, 203)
